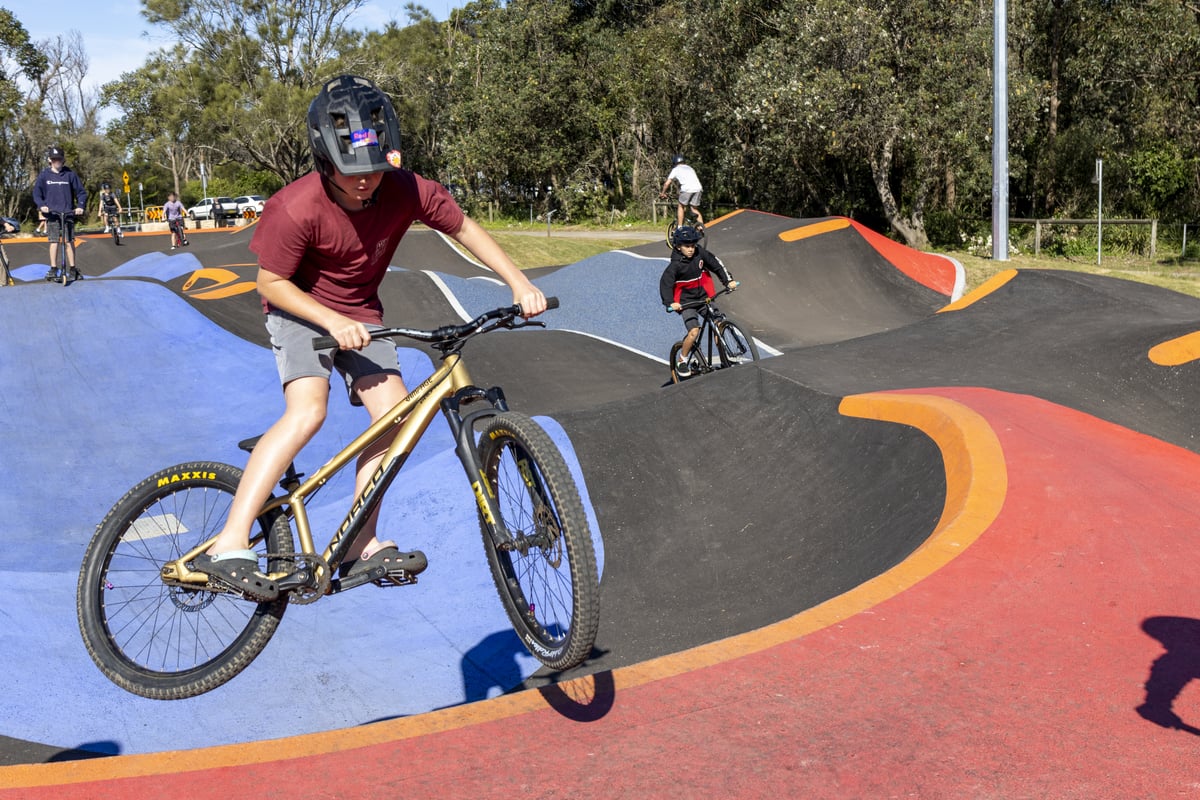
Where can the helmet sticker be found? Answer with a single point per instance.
(364, 138)
(393, 158)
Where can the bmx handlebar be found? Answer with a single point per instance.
(448, 337)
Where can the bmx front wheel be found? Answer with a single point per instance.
(162, 641)
(736, 346)
(546, 576)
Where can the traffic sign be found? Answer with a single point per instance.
(125, 177)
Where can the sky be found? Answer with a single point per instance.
(118, 39)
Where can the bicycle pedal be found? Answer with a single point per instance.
(400, 577)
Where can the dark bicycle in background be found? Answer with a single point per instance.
(721, 343)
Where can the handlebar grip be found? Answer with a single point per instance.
(324, 343)
(551, 302)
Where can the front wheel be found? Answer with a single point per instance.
(163, 641)
(736, 347)
(546, 576)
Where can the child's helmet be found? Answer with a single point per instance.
(677, 160)
(55, 154)
(105, 186)
(685, 235)
(352, 127)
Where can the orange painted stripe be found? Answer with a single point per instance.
(1176, 352)
(815, 229)
(976, 484)
(987, 287)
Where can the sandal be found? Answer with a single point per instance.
(390, 558)
(238, 570)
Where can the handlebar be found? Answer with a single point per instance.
(699, 303)
(450, 338)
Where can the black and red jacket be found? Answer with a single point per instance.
(690, 279)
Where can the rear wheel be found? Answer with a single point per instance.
(169, 641)
(547, 576)
(736, 346)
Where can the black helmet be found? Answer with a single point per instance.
(686, 235)
(677, 160)
(106, 186)
(352, 127)
(55, 153)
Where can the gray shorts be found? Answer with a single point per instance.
(690, 199)
(291, 339)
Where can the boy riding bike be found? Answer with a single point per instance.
(688, 278)
(110, 209)
(173, 209)
(324, 243)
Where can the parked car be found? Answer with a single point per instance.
(214, 208)
(249, 205)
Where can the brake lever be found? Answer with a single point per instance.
(524, 323)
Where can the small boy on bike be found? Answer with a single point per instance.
(324, 243)
(173, 211)
(687, 279)
(110, 206)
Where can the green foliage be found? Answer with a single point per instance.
(875, 109)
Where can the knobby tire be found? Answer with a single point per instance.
(167, 642)
(551, 592)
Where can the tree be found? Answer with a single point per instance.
(19, 58)
(254, 67)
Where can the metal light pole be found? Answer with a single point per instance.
(1000, 131)
(1099, 180)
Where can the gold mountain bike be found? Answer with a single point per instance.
(160, 628)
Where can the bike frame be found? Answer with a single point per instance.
(447, 390)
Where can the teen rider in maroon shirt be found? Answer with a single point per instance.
(324, 243)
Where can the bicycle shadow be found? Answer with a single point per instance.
(493, 663)
(1172, 671)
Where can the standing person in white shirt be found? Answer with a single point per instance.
(690, 190)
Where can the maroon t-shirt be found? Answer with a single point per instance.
(340, 257)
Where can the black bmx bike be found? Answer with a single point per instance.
(112, 221)
(689, 219)
(158, 626)
(721, 342)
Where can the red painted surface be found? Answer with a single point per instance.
(928, 269)
(1015, 671)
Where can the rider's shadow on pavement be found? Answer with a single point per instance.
(492, 663)
(1172, 671)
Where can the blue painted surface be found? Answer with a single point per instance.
(114, 379)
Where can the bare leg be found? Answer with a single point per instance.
(698, 215)
(679, 216)
(306, 400)
(688, 341)
(379, 393)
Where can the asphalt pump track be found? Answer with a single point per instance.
(930, 545)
